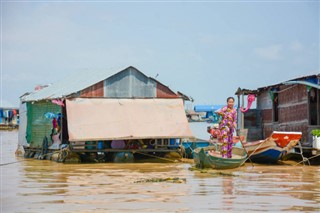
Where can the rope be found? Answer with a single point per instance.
(190, 147)
(61, 158)
(252, 152)
(5, 164)
(307, 159)
(155, 156)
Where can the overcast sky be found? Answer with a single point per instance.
(204, 49)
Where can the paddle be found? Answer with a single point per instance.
(245, 151)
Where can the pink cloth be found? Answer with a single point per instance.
(251, 99)
(58, 102)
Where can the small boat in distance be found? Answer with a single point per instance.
(210, 157)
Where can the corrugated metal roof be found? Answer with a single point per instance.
(71, 84)
(315, 75)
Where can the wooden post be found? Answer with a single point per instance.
(242, 114)
(238, 116)
(318, 106)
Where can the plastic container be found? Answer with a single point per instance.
(316, 142)
(174, 142)
(100, 145)
(89, 143)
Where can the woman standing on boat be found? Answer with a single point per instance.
(227, 126)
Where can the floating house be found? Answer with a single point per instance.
(293, 105)
(9, 118)
(98, 112)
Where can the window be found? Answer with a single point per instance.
(314, 106)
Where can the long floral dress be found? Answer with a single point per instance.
(227, 126)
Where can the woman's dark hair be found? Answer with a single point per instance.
(230, 98)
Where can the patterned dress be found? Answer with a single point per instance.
(227, 126)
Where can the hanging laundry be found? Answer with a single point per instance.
(10, 116)
(5, 113)
(50, 115)
(59, 119)
(54, 123)
(58, 102)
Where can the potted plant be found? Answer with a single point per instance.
(316, 138)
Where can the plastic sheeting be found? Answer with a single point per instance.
(111, 119)
(38, 126)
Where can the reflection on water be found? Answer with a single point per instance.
(227, 198)
(44, 186)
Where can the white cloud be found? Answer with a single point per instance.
(296, 46)
(273, 52)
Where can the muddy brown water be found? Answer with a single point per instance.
(30, 185)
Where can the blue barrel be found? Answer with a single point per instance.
(123, 157)
(174, 142)
(100, 145)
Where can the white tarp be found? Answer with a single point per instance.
(22, 141)
(106, 119)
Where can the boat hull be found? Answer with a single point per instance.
(203, 158)
(267, 156)
(263, 151)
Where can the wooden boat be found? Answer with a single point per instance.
(210, 157)
(189, 146)
(272, 149)
(263, 151)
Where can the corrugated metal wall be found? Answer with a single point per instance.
(93, 91)
(164, 92)
(129, 83)
(38, 126)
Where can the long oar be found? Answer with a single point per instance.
(246, 151)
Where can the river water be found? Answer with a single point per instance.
(30, 185)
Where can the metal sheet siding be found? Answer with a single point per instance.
(165, 92)
(93, 91)
(129, 84)
(264, 101)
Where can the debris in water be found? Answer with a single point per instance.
(168, 180)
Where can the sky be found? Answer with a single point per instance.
(204, 49)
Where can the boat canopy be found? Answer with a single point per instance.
(92, 119)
